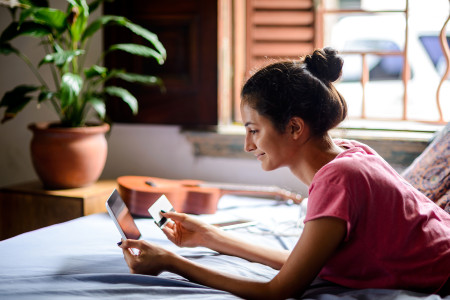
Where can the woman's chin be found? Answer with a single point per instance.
(266, 166)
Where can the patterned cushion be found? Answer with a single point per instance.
(429, 172)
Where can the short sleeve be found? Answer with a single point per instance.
(330, 200)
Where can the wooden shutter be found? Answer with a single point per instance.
(278, 30)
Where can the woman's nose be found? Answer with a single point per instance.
(249, 146)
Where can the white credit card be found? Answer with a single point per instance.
(155, 211)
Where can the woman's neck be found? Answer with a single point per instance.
(312, 156)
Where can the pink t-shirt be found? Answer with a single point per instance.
(396, 237)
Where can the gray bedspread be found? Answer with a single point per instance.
(79, 259)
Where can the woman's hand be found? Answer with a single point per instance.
(151, 259)
(186, 231)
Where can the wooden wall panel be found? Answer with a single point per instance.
(188, 31)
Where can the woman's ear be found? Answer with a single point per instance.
(296, 127)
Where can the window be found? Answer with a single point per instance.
(393, 60)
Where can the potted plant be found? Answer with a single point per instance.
(77, 92)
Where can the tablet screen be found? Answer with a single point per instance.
(122, 217)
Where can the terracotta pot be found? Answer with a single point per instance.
(68, 157)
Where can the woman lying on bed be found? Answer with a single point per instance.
(365, 226)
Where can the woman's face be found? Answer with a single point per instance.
(263, 140)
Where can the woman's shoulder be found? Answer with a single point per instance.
(340, 170)
(356, 161)
(354, 145)
(353, 155)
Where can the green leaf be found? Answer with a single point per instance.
(126, 96)
(15, 100)
(54, 18)
(138, 50)
(149, 36)
(98, 105)
(94, 71)
(139, 30)
(71, 85)
(27, 28)
(139, 78)
(25, 14)
(98, 23)
(19, 91)
(57, 47)
(78, 18)
(6, 49)
(60, 58)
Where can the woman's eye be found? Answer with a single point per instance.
(252, 131)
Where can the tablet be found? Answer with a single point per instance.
(122, 217)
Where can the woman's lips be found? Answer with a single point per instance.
(259, 156)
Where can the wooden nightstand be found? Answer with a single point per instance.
(28, 206)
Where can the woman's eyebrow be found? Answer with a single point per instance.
(248, 123)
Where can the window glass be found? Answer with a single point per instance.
(433, 47)
(373, 32)
(381, 67)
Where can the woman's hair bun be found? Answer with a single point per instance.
(325, 64)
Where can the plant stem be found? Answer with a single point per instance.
(102, 56)
(52, 67)
(53, 101)
(56, 107)
(33, 69)
(86, 47)
(75, 59)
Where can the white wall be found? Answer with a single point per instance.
(163, 151)
(148, 150)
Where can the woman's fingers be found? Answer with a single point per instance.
(149, 260)
(169, 225)
(174, 216)
(170, 233)
(184, 230)
(185, 220)
(131, 244)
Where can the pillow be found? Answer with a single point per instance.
(429, 172)
(444, 202)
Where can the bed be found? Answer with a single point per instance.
(79, 259)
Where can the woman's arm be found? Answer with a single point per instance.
(190, 232)
(319, 240)
(226, 243)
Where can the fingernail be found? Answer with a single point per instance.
(119, 243)
(163, 211)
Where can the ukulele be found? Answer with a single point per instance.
(189, 196)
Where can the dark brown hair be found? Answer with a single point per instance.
(302, 88)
